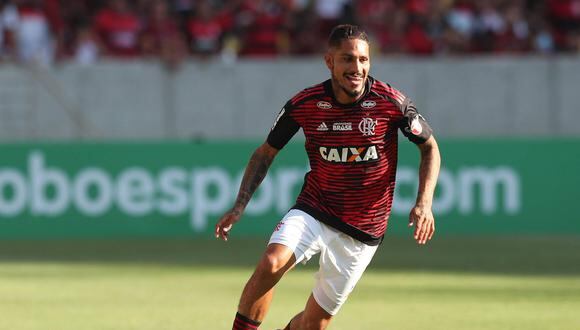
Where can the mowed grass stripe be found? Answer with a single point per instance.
(456, 283)
(156, 297)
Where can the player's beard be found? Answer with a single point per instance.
(350, 92)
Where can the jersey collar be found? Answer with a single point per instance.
(328, 88)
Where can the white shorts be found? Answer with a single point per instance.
(343, 259)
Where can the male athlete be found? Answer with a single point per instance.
(351, 124)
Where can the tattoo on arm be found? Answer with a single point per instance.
(255, 172)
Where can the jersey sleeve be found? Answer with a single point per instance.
(283, 129)
(413, 124)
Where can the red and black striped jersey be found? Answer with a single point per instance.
(352, 150)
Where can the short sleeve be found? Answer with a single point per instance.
(283, 129)
(413, 125)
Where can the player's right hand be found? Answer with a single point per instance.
(225, 224)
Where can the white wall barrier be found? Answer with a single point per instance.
(471, 97)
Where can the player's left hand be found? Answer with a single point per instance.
(422, 218)
(226, 222)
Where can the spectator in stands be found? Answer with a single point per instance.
(161, 37)
(86, 47)
(378, 17)
(330, 13)
(41, 30)
(542, 39)
(8, 26)
(565, 18)
(392, 36)
(459, 28)
(417, 39)
(183, 10)
(435, 24)
(265, 28)
(541, 36)
(303, 38)
(515, 36)
(34, 39)
(119, 29)
(488, 24)
(205, 30)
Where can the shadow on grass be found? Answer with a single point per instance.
(558, 255)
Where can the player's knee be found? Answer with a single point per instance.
(272, 265)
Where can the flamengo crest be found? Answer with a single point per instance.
(367, 126)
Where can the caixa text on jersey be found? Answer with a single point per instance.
(349, 154)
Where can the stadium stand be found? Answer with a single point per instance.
(85, 30)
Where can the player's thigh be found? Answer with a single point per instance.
(342, 263)
(299, 232)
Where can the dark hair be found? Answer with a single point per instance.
(344, 32)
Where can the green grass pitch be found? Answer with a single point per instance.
(453, 283)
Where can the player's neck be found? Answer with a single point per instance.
(343, 97)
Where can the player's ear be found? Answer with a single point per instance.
(329, 61)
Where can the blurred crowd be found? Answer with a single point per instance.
(46, 31)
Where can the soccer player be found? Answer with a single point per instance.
(351, 124)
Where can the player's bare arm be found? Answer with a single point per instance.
(256, 171)
(422, 215)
